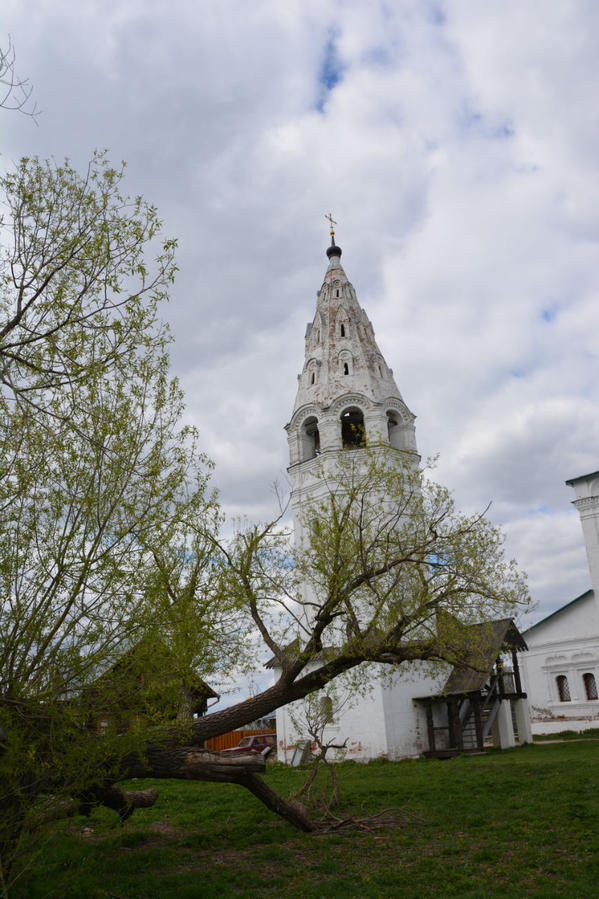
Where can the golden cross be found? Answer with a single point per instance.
(332, 222)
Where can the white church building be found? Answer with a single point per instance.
(346, 389)
(561, 668)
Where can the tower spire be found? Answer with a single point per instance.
(332, 223)
(344, 372)
(333, 250)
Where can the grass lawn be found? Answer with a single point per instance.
(517, 823)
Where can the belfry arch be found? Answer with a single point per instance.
(394, 431)
(353, 430)
(310, 439)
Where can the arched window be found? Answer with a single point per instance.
(590, 685)
(563, 690)
(353, 432)
(343, 330)
(346, 362)
(312, 377)
(393, 430)
(310, 439)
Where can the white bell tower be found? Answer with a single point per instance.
(347, 397)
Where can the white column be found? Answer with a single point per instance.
(503, 729)
(523, 723)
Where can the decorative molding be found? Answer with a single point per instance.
(398, 406)
(350, 399)
(586, 503)
(302, 413)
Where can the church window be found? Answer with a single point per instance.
(343, 330)
(312, 377)
(563, 690)
(345, 368)
(310, 439)
(353, 432)
(380, 371)
(337, 293)
(590, 685)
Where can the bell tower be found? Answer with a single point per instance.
(347, 397)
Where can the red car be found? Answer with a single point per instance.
(262, 743)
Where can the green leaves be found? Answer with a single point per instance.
(104, 498)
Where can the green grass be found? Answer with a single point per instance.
(591, 733)
(516, 823)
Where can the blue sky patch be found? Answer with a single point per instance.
(549, 313)
(437, 14)
(331, 70)
(473, 121)
(540, 510)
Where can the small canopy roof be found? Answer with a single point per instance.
(481, 644)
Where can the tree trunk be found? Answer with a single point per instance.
(191, 763)
(293, 811)
(281, 693)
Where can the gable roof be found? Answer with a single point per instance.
(588, 594)
(485, 642)
(582, 477)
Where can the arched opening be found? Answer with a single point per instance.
(343, 330)
(563, 690)
(310, 439)
(590, 685)
(393, 430)
(353, 432)
(345, 368)
(312, 377)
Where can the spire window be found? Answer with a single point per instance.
(346, 363)
(353, 431)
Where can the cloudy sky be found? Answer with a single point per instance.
(455, 143)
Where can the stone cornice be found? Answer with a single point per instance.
(586, 503)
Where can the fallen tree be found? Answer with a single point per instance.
(116, 587)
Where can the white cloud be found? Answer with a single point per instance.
(457, 149)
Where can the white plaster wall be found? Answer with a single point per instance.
(405, 720)
(587, 503)
(386, 721)
(572, 622)
(362, 724)
(562, 646)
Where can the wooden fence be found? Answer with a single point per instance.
(227, 741)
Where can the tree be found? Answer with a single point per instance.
(97, 476)
(111, 558)
(315, 713)
(15, 93)
(389, 573)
